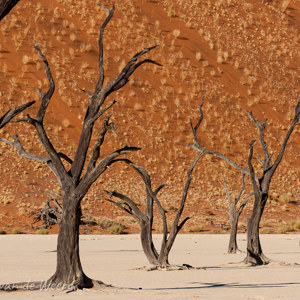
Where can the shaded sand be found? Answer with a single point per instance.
(114, 259)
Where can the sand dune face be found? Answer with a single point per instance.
(244, 55)
(114, 259)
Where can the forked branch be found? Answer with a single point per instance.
(197, 146)
(8, 116)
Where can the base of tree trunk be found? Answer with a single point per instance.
(170, 268)
(257, 260)
(234, 251)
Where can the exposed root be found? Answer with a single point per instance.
(257, 260)
(271, 263)
(170, 268)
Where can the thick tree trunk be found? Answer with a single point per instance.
(232, 247)
(69, 269)
(255, 254)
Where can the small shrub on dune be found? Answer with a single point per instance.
(116, 229)
(17, 231)
(196, 228)
(42, 231)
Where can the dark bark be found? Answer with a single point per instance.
(255, 255)
(233, 247)
(74, 180)
(6, 6)
(68, 268)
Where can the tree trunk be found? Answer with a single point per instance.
(232, 247)
(255, 255)
(68, 268)
(147, 243)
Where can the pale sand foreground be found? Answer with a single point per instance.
(113, 259)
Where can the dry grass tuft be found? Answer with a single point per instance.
(196, 228)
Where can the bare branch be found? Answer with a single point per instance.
(186, 188)
(158, 189)
(261, 129)
(7, 117)
(100, 45)
(252, 173)
(98, 143)
(182, 223)
(243, 204)
(292, 127)
(228, 160)
(49, 192)
(241, 190)
(135, 211)
(45, 96)
(127, 71)
(89, 178)
(87, 93)
(23, 153)
(196, 146)
(92, 113)
(102, 111)
(194, 129)
(226, 190)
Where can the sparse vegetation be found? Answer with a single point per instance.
(286, 198)
(195, 228)
(216, 231)
(42, 231)
(16, 230)
(116, 229)
(284, 228)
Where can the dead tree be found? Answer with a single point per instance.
(255, 255)
(76, 179)
(234, 212)
(157, 259)
(6, 6)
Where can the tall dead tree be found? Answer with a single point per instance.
(260, 184)
(6, 6)
(76, 179)
(157, 259)
(255, 254)
(234, 211)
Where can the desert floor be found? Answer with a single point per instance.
(115, 259)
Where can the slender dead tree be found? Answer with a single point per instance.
(234, 211)
(6, 6)
(78, 174)
(255, 254)
(157, 259)
(260, 184)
